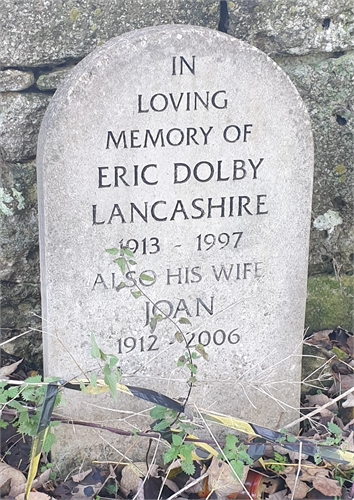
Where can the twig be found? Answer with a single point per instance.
(318, 410)
(298, 471)
(187, 486)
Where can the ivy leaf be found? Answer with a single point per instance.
(146, 277)
(200, 349)
(112, 251)
(179, 337)
(120, 286)
(128, 252)
(95, 350)
(121, 263)
(154, 321)
(136, 294)
(184, 321)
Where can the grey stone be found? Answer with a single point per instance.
(327, 89)
(294, 27)
(19, 260)
(20, 119)
(14, 79)
(208, 175)
(50, 81)
(51, 32)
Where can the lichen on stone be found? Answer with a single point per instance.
(5, 198)
(328, 221)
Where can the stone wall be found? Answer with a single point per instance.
(313, 40)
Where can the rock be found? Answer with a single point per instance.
(327, 89)
(50, 81)
(20, 118)
(329, 303)
(293, 27)
(19, 260)
(14, 79)
(51, 32)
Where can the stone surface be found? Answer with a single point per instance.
(330, 303)
(51, 32)
(14, 79)
(327, 89)
(294, 27)
(20, 119)
(208, 175)
(50, 81)
(19, 260)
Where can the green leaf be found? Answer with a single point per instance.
(170, 455)
(121, 263)
(49, 441)
(179, 337)
(136, 295)
(153, 322)
(184, 321)
(192, 380)
(3, 424)
(158, 412)
(193, 368)
(238, 468)
(132, 262)
(93, 380)
(120, 286)
(188, 467)
(231, 441)
(290, 438)
(334, 429)
(128, 252)
(181, 361)
(177, 440)
(111, 381)
(113, 360)
(17, 406)
(112, 251)
(200, 349)
(95, 350)
(146, 277)
(161, 426)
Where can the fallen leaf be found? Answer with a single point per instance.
(297, 487)
(81, 476)
(5, 486)
(131, 474)
(327, 486)
(318, 400)
(349, 401)
(320, 339)
(42, 479)
(34, 495)
(279, 495)
(221, 479)
(5, 371)
(18, 480)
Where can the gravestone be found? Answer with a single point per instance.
(195, 150)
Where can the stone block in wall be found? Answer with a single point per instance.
(294, 27)
(51, 32)
(327, 89)
(50, 81)
(19, 259)
(20, 118)
(14, 80)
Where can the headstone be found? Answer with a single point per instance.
(195, 150)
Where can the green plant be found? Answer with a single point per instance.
(236, 455)
(280, 464)
(336, 437)
(183, 451)
(26, 399)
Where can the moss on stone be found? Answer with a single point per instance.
(330, 303)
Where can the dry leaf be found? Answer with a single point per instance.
(42, 479)
(326, 486)
(34, 495)
(5, 371)
(80, 476)
(318, 400)
(5, 486)
(18, 480)
(279, 495)
(221, 479)
(349, 402)
(131, 474)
